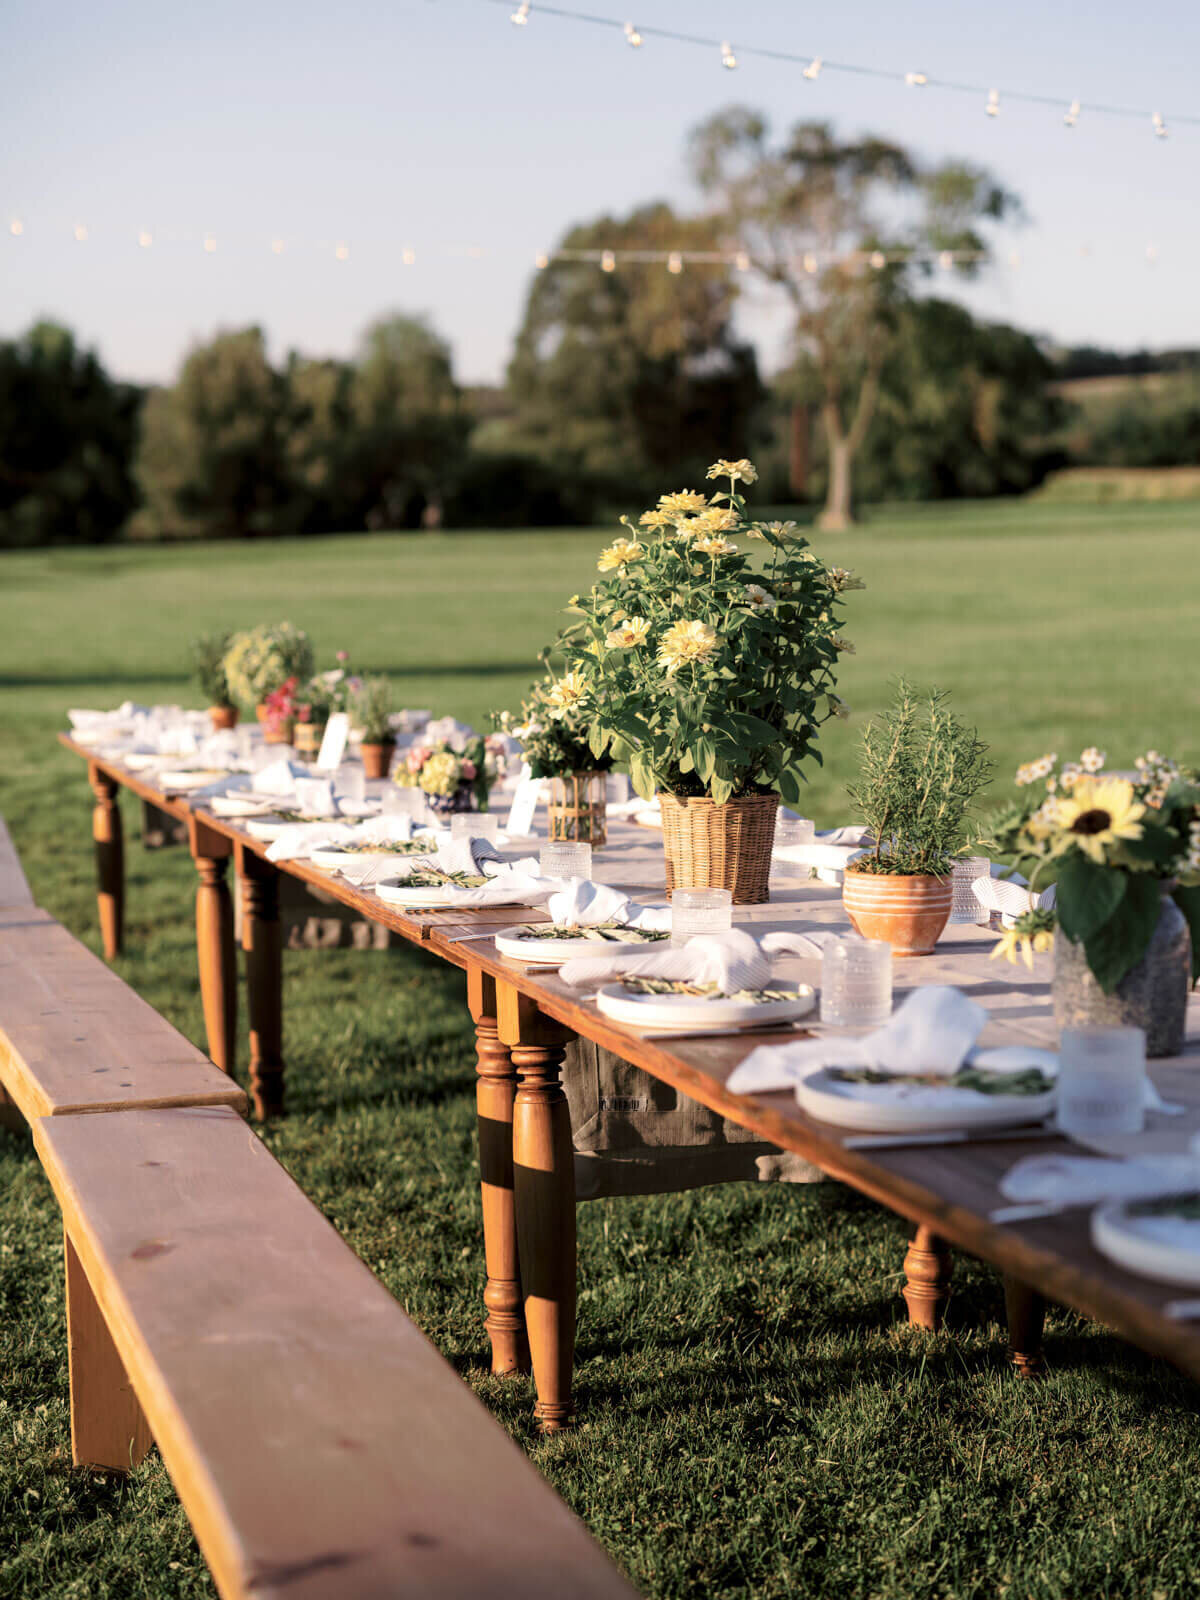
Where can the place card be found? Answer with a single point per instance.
(333, 745)
(525, 803)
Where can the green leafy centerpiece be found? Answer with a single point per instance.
(371, 707)
(1124, 855)
(554, 740)
(208, 658)
(922, 770)
(263, 661)
(706, 658)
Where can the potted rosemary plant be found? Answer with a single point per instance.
(922, 769)
(371, 709)
(259, 663)
(554, 740)
(705, 658)
(208, 657)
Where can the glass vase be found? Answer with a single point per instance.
(578, 808)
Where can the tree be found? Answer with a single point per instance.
(634, 373)
(211, 459)
(831, 224)
(66, 439)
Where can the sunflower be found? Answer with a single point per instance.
(1098, 812)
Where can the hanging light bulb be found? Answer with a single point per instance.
(1014, 259)
(810, 262)
(946, 260)
(608, 261)
(1151, 255)
(728, 59)
(675, 262)
(813, 70)
(1159, 125)
(632, 35)
(407, 257)
(145, 238)
(541, 261)
(993, 103)
(277, 247)
(878, 260)
(1072, 116)
(742, 261)
(210, 244)
(915, 80)
(16, 227)
(521, 15)
(342, 253)
(80, 232)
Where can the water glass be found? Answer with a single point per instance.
(965, 907)
(350, 782)
(475, 825)
(563, 860)
(856, 983)
(1102, 1081)
(401, 802)
(794, 830)
(697, 911)
(245, 741)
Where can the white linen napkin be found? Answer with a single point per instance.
(1009, 895)
(1090, 1180)
(466, 855)
(732, 960)
(314, 796)
(297, 841)
(631, 807)
(279, 778)
(456, 734)
(584, 904)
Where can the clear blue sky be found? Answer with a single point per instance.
(436, 124)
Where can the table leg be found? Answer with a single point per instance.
(544, 1197)
(110, 860)
(1026, 1312)
(927, 1268)
(494, 1095)
(215, 943)
(262, 943)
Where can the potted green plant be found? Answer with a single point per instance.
(554, 740)
(260, 661)
(208, 658)
(921, 772)
(371, 708)
(1123, 851)
(705, 658)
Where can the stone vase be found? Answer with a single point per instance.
(1151, 996)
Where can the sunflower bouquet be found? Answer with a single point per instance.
(1110, 842)
(706, 655)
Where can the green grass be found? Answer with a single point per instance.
(756, 1419)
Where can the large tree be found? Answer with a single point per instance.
(833, 225)
(635, 372)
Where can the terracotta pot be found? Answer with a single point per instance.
(720, 847)
(222, 717)
(909, 913)
(281, 733)
(376, 758)
(306, 737)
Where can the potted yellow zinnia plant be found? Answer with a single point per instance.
(705, 658)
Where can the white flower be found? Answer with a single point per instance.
(758, 598)
(742, 471)
(1092, 760)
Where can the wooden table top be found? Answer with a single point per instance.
(950, 1188)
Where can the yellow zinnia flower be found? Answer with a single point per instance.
(656, 519)
(620, 554)
(686, 641)
(567, 691)
(682, 500)
(633, 631)
(715, 547)
(1098, 812)
(742, 471)
(839, 642)
(717, 519)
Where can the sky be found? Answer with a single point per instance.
(438, 127)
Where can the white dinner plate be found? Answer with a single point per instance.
(1143, 1245)
(244, 804)
(335, 857)
(695, 1012)
(139, 761)
(185, 778)
(553, 952)
(432, 899)
(908, 1107)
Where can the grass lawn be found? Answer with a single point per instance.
(756, 1418)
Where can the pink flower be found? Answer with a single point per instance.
(417, 757)
(342, 655)
(469, 771)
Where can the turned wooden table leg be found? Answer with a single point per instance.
(108, 1428)
(215, 948)
(263, 946)
(927, 1268)
(1026, 1311)
(494, 1095)
(544, 1197)
(110, 860)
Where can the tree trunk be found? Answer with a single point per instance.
(838, 511)
(799, 449)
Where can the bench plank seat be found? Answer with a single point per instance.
(320, 1445)
(14, 886)
(74, 1037)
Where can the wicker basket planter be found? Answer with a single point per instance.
(578, 808)
(720, 847)
(909, 912)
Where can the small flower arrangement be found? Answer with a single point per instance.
(280, 707)
(263, 659)
(327, 693)
(553, 734)
(1109, 842)
(708, 671)
(453, 777)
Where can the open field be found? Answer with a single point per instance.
(757, 1420)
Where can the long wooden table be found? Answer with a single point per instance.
(524, 1019)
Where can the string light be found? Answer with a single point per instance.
(521, 15)
(1014, 259)
(1160, 127)
(878, 260)
(277, 247)
(342, 253)
(1072, 116)
(810, 263)
(16, 227)
(407, 257)
(813, 70)
(632, 35)
(1151, 255)
(675, 262)
(915, 80)
(728, 59)
(145, 238)
(80, 232)
(993, 103)
(742, 261)
(210, 244)
(608, 261)
(541, 261)
(946, 260)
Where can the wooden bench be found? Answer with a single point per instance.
(14, 886)
(320, 1446)
(75, 1038)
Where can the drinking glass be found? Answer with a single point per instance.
(350, 782)
(244, 736)
(965, 907)
(401, 802)
(1102, 1081)
(696, 911)
(475, 825)
(563, 860)
(794, 830)
(856, 983)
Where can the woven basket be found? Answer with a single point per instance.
(720, 847)
(578, 808)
